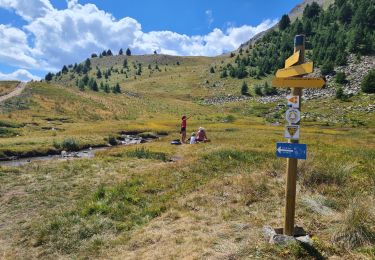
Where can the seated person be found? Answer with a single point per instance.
(193, 139)
(201, 135)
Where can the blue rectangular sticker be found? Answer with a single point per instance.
(291, 150)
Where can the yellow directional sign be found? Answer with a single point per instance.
(298, 82)
(292, 59)
(297, 70)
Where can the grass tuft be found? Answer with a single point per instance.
(142, 153)
(356, 228)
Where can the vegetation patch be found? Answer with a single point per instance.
(142, 153)
(68, 144)
(356, 228)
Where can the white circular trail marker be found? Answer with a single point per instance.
(293, 116)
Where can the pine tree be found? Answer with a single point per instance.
(128, 52)
(312, 10)
(121, 52)
(109, 52)
(224, 74)
(85, 80)
(106, 88)
(64, 70)
(81, 85)
(49, 76)
(368, 83)
(284, 22)
(95, 86)
(94, 55)
(116, 89)
(88, 64)
(244, 89)
(99, 74)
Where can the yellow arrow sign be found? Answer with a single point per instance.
(302, 69)
(292, 59)
(298, 82)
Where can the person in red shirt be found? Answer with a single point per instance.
(183, 129)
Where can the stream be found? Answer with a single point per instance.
(85, 153)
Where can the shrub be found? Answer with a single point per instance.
(368, 83)
(341, 78)
(112, 140)
(229, 119)
(258, 90)
(269, 90)
(355, 229)
(327, 68)
(341, 95)
(70, 144)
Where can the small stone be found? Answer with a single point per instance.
(268, 232)
(282, 240)
(305, 239)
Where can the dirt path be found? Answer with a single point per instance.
(20, 87)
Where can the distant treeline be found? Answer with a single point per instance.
(347, 26)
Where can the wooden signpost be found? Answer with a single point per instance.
(291, 77)
(295, 70)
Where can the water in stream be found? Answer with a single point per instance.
(86, 153)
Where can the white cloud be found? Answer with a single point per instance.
(66, 36)
(71, 35)
(14, 48)
(210, 18)
(21, 75)
(28, 9)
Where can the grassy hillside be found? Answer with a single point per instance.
(7, 86)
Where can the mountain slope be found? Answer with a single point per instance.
(295, 13)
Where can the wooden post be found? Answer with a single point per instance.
(291, 170)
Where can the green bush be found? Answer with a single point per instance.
(112, 140)
(229, 119)
(327, 68)
(368, 83)
(269, 90)
(70, 144)
(341, 78)
(258, 90)
(341, 95)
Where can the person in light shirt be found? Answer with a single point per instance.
(193, 139)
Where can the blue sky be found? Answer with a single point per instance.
(43, 35)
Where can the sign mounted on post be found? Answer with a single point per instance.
(292, 132)
(293, 101)
(291, 150)
(298, 82)
(292, 59)
(293, 116)
(297, 70)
